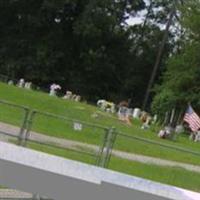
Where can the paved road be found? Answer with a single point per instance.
(79, 145)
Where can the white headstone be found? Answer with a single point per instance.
(21, 83)
(53, 89)
(197, 137)
(10, 82)
(78, 126)
(136, 113)
(179, 128)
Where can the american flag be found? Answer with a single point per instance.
(192, 119)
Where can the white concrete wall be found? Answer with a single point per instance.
(63, 179)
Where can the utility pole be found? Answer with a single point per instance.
(158, 58)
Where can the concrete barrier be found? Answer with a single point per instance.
(58, 178)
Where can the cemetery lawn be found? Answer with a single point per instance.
(168, 175)
(81, 111)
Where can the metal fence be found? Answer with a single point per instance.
(80, 140)
(22, 134)
(62, 132)
(59, 135)
(21, 112)
(136, 149)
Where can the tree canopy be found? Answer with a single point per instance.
(180, 82)
(84, 45)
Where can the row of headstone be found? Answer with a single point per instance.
(173, 120)
(54, 88)
(125, 113)
(168, 132)
(145, 117)
(21, 83)
(106, 105)
(70, 96)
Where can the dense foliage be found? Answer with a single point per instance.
(181, 84)
(84, 45)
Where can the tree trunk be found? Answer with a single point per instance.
(158, 59)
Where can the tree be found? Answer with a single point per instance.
(84, 45)
(181, 80)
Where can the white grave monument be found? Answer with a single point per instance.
(28, 85)
(21, 83)
(136, 113)
(10, 82)
(53, 89)
(68, 95)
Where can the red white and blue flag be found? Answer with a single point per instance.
(192, 119)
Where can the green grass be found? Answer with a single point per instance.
(81, 111)
(168, 175)
(73, 155)
(80, 154)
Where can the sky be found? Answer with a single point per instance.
(135, 20)
(139, 18)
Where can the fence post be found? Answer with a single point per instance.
(109, 140)
(23, 126)
(28, 128)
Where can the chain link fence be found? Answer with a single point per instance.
(82, 141)
(20, 116)
(56, 131)
(144, 150)
(58, 135)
